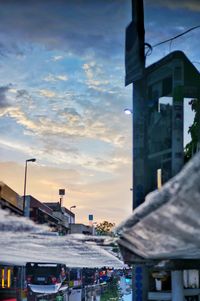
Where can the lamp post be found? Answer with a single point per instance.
(25, 176)
(71, 211)
(71, 217)
(129, 111)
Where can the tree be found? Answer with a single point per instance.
(194, 130)
(104, 228)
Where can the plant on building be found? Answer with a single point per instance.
(104, 228)
(194, 130)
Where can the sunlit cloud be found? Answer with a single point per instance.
(55, 78)
(95, 76)
(47, 93)
(26, 149)
(76, 125)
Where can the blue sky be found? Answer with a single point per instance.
(62, 96)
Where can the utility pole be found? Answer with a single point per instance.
(135, 75)
(135, 67)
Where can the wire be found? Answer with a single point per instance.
(149, 49)
(179, 35)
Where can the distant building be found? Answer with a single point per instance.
(42, 214)
(62, 213)
(81, 229)
(68, 216)
(10, 200)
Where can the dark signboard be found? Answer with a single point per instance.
(134, 64)
(61, 192)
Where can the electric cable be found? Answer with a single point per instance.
(177, 36)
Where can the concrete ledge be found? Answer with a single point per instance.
(167, 295)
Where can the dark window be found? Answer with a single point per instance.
(167, 86)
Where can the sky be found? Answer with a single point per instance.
(62, 96)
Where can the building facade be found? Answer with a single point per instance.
(10, 200)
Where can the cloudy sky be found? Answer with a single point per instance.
(62, 96)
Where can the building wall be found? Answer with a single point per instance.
(10, 199)
(81, 229)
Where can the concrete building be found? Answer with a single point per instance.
(68, 219)
(81, 229)
(63, 214)
(158, 128)
(40, 213)
(10, 200)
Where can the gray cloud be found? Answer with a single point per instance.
(4, 102)
(193, 5)
(72, 25)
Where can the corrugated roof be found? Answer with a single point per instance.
(22, 241)
(167, 224)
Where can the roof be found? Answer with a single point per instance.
(174, 55)
(56, 206)
(164, 69)
(72, 250)
(53, 205)
(167, 225)
(37, 204)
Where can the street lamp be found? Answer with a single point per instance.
(128, 111)
(28, 160)
(70, 211)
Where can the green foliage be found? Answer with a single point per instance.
(104, 228)
(111, 292)
(194, 131)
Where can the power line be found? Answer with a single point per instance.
(177, 36)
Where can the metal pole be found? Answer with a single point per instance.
(70, 216)
(24, 198)
(25, 176)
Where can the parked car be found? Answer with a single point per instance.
(46, 278)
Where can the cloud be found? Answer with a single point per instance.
(57, 58)
(96, 78)
(55, 78)
(92, 122)
(47, 93)
(62, 29)
(4, 102)
(193, 5)
(17, 146)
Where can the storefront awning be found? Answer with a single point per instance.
(22, 241)
(167, 225)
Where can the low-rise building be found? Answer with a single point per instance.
(81, 229)
(10, 200)
(66, 216)
(42, 214)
